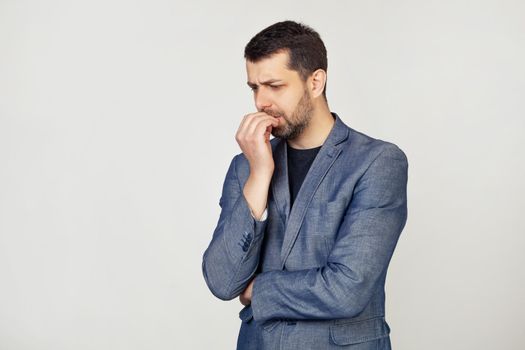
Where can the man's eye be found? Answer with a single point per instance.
(275, 87)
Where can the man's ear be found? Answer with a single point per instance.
(318, 82)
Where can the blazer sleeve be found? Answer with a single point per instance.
(361, 253)
(232, 256)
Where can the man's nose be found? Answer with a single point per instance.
(262, 100)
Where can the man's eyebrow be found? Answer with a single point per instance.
(266, 82)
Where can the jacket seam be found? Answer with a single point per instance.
(358, 321)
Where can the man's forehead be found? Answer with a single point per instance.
(271, 67)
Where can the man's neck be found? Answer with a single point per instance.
(315, 135)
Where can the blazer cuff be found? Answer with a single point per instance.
(247, 232)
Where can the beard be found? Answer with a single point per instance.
(295, 124)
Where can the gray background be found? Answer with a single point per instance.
(117, 124)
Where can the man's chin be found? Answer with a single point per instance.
(280, 134)
(277, 134)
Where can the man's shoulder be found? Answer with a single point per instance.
(361, 145)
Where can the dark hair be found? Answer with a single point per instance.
(304, 45)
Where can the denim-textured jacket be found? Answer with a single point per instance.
(320, 267)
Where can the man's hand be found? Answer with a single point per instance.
(253, 136)
(246, 296)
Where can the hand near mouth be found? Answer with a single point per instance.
(253, 136)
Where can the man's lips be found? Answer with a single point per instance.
(277, 116)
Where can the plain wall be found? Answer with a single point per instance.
(117, 125)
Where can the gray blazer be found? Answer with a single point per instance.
(320, 268)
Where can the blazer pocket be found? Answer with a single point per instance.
(355, 332)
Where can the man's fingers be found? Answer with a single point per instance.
(258, 126)
(247, 120)
(266, 127)
(255, 124)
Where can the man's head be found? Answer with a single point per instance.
(286, 65)
(305, 48)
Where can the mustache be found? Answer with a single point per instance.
(274, 114)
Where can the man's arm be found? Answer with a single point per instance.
(360, 256)
(233, 254)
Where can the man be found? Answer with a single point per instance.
(310, 219)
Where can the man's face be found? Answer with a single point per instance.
(280, 92)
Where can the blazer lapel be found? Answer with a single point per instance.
(322, 163)
(280, 187)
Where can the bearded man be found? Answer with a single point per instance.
(309, 219)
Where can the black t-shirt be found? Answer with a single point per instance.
(299, 162)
